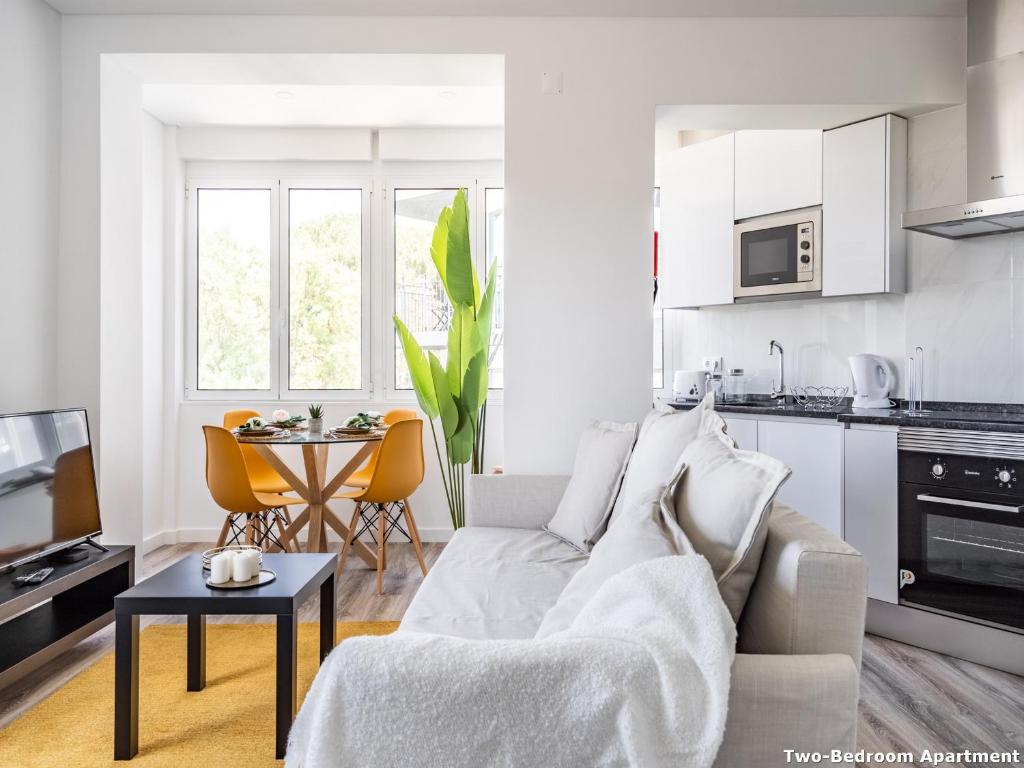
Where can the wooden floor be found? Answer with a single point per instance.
(911, 699)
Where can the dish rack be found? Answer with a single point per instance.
(819, 398)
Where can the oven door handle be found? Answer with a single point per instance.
(972, 504)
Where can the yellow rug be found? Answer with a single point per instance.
(229, 723)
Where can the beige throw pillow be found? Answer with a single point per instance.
(645, 531)
(723, 503)
(664, 435)
(601, 458)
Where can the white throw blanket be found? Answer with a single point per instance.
(641, 678)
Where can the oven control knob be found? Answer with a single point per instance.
(805, 244)
(805, 259)
(1004, 476)
(938, 470)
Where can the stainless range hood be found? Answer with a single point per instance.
(995, 129)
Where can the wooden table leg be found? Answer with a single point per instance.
(285, 685)
(126, 686)
(311, 458)
(196, 652)
(328, 627)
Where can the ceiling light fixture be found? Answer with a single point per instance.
(285, 95)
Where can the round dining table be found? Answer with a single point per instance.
(316, 490)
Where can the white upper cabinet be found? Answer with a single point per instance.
(777, 171)
(865, 190)
(696, 224)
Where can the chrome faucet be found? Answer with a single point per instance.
(780, 392)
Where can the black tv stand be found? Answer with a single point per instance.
(40, 621)
(77, 552)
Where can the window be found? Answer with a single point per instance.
(494, 252)
(234, 289)
(278, 285)
(325, 289)
(279, 282)
(419, 297)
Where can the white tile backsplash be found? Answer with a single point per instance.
(963, 304)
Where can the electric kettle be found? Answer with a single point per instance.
(873, 377)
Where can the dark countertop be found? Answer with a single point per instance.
(991, 417)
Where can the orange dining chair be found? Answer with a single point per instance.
(228, 479)
(263, 477)
(361, 477)
(383, 503)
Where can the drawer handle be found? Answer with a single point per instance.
(972, 504)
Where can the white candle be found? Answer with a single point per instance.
(240, 567)
(252, 560)
(220, 567)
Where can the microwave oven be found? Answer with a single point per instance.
(778, 254)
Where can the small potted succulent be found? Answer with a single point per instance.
(316, 418)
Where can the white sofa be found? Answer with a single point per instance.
(795, 678)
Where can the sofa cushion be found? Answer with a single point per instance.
(601, 458)
(493, 583)
(663, 436)
(723, 502)
(645, 531)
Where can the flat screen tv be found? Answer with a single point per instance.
(48, 496)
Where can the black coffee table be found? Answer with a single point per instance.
(181, 589)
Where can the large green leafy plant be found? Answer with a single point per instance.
(455, 393)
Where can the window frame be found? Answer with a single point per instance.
(191, 345)
(285, 392)
(493, 393)
(278, 243)
(391, 184)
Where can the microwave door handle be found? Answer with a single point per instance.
(971, 504)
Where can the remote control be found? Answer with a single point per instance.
(35, 577)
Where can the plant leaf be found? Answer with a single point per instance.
(446, 405)
(459, 277)
(485, 314)
(463, 343)
(460, 445)
(419, 370)
(439, 246)
(473, 395)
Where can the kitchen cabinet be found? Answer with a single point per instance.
(814, 451)
(870, 497)
(864, 193)
(696, 243)
(742, 431)
(777, 171)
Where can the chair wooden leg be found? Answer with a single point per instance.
(414, 534)
(347, 544)
(249, 534)
(382, 522)
(224, 531)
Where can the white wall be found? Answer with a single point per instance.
(154, 441)
(29, 203)
(578, 166)
(965, 303)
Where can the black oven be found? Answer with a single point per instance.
(961, 524)
(778, 254)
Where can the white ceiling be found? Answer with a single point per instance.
(370, 106)
(359, 90)
(708, 8)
